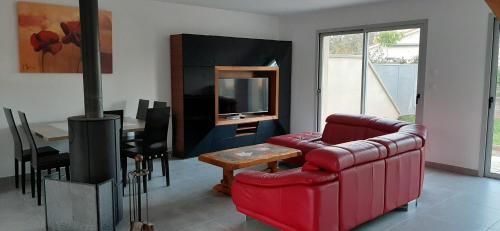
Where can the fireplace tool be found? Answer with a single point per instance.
(137, 223)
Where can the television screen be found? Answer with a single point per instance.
(243, 95)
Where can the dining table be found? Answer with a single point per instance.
(58, 130)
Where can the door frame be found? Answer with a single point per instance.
(491, 73)
(422, 24)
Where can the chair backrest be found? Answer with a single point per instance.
(120, 114)
(156, 128)
(159, 104)
(142, 109)
(31, 140)
(18, 145)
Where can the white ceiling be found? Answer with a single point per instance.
(273, 7)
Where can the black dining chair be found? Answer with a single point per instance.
(153, 145)
(159, 104)
(142, 109)
(156, 104)
(22, 155)
(40, 163)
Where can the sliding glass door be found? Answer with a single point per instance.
(373, 70)
(492, 163)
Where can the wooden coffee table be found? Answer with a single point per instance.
(243, 157)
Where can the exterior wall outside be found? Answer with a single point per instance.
(400, 81)
(341, 92)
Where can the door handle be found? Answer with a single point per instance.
(418, 98)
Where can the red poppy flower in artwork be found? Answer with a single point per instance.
(72, 33)
(46, 41)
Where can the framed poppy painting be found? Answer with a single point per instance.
(50, 39)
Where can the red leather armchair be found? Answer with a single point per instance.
(359, 168)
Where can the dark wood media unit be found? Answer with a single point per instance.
(197, 62)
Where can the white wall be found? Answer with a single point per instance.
(455, 76)
(141, 59)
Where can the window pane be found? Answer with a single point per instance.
(341, 74)
(392, 74)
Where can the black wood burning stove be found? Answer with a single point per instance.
(94, 138)
(95, 154)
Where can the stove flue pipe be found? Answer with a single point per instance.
(91, 58)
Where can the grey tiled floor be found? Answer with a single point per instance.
(449, 202)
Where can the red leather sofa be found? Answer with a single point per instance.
(360, 168)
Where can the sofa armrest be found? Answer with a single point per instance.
(294, 204)
(285, 178)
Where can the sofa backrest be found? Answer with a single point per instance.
(397, 143)
(382, 126)
(342, 156)
(358, 139)
(341, 128)
(415, 129)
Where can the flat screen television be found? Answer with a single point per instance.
(243, 96)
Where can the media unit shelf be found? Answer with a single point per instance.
(247, 72)
(248, 119)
